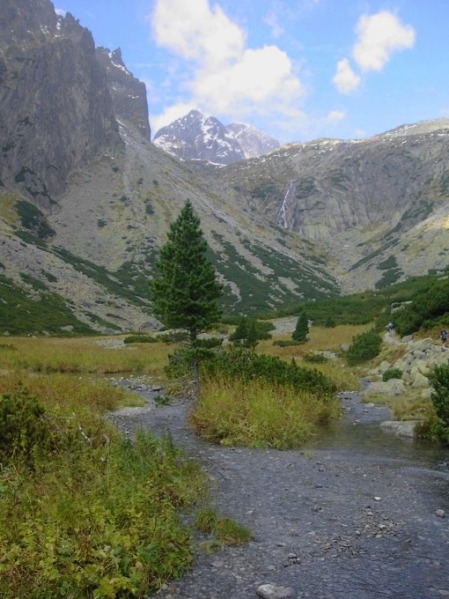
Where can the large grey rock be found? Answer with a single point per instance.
(271, 591)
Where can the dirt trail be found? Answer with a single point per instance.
(359, 520)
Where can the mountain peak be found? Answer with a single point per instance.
(197, 136)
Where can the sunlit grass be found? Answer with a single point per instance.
(82, 355)
(259, 414)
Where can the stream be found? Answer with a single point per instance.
(359, 513)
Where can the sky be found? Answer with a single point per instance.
(297, 70)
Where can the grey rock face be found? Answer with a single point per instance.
(56, 111)
(128, 93)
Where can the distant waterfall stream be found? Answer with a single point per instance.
(283, 212)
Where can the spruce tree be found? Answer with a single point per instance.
(302, 328)
(185, 290)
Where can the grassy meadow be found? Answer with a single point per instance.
(86, 513)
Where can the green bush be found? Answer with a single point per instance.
(23, 425)
(246, 365)
(140, 339)
(392, 373)
(364, 347)
(249, 332)
(315, 358)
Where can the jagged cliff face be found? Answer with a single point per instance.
(56, 110)
(129, 95)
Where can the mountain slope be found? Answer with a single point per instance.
(379, 206)
(86, 199)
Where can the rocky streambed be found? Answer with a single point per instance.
(359, 514)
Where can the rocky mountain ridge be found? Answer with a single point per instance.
(86, 198)
(196, 136)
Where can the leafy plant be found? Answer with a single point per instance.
(364, 347)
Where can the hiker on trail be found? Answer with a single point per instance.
(390, 327)
(443, 337)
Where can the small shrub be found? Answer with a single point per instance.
(140, 339)
(392, 373)
(364, 347)
(24, 428)
(315, 358)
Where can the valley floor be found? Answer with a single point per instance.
(360, 519)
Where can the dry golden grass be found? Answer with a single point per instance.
(82, 355)
(320, 339)
(259, 414)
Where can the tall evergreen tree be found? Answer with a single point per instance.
(185, 290)
(302, 328)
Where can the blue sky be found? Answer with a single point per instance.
(296, 69)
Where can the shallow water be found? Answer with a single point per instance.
(359, 431)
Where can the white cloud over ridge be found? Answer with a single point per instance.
(226, 77)
(379, 36)
(345, 80)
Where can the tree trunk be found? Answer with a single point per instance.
(196, 379)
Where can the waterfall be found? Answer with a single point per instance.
(283, 212)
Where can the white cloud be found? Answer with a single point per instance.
(225, 77)
(60, 12)
(379, 36)
(335, 116)
(195, 31)
(259, 76)
(170, 114)
(345, 80)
